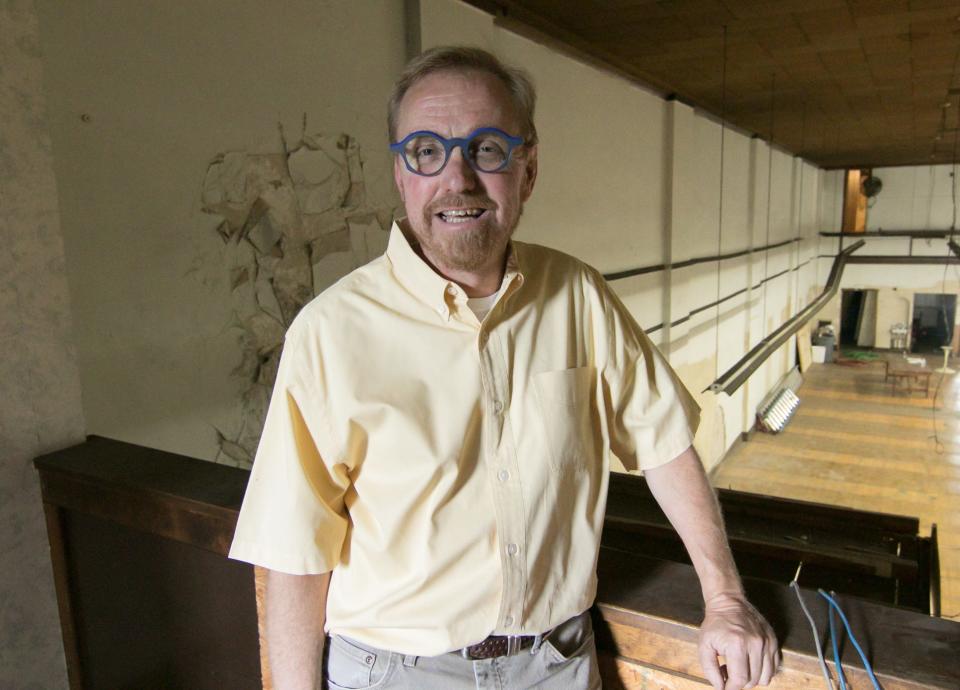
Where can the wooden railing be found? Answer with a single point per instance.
(148, 599)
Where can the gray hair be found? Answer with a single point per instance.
(463, 58)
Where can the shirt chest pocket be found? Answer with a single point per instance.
(565, 400)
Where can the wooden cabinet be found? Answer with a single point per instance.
(147, 597)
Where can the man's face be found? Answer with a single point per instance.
(454, 104)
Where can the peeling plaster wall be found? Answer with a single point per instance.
(40, 407)
(143, 96)
(293, 223)
(628, 179)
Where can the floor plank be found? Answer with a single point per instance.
(856, 442)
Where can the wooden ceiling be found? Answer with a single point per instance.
(844, 83)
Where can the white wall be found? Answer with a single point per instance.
(831, 195)
(628, 179)
(142, 97)
(915, 198)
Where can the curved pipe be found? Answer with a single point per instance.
(733, 378)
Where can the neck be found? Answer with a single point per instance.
(479, 282)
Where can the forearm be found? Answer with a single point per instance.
(731, 628)
(686, 497)
(295, 613)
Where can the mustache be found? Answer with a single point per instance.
(460, 201)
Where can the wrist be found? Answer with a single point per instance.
(729, 594)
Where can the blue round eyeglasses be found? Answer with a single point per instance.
(487, 149)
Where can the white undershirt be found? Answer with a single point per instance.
(481, 306)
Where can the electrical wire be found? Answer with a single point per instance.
(766, 254)
(953, 75)
(837, 666)
(803, 147)
(816, 635)
(853, 639)
(937, 443)
(723, 131)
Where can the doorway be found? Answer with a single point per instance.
(933, 320)
(858, 318)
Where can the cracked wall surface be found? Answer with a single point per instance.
(293, 223)
(40, 407)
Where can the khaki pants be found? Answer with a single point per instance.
(566, 660)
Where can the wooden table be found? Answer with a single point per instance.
(905, 375)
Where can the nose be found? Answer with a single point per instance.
(458, 176)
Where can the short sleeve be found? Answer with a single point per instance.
(293, 518)
(651, 417)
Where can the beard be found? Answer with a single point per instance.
(463, 249)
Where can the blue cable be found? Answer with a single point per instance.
(853, 639)
(836, 652)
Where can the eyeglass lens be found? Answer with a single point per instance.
(486, 152)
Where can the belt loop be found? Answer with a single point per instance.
(513, 644)
(537, 641)
(409, 660)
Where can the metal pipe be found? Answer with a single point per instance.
(733, 378)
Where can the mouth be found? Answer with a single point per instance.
(460, 215)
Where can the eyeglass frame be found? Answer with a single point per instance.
(454, 142)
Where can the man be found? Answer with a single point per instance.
(441, 427)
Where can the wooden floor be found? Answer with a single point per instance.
(856, 442)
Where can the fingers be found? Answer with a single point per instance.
(747, 644)
(768, 668)
(771, 659)
(711, 666)
(755, 657)
(738, 667)
(750, 660)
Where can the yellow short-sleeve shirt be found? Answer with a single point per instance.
(453, 473)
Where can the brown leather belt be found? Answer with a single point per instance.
(498, 645)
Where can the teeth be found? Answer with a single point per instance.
(462, 213)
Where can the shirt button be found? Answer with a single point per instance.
(508, 621)
(451, 290)
(503, 475)
(497, 406)
(512, 549)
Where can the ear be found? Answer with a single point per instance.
(529, 173)
(398, 177)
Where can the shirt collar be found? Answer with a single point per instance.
(427, 285)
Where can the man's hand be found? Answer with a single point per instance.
(734, 629)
